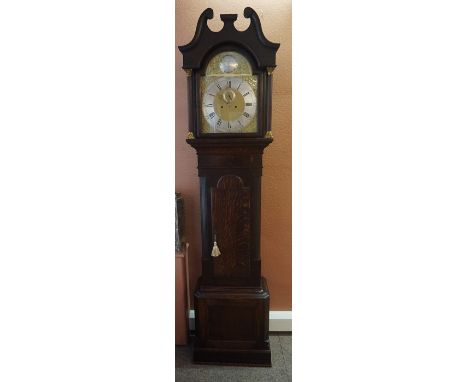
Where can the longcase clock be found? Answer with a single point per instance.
(229, 97)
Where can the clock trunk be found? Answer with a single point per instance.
(231, 299)
(230, 173)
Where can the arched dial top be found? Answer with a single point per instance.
(228, 95)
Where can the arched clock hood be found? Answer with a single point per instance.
(252, 40)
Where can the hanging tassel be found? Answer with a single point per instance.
(215, 252)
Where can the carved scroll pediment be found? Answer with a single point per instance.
(252, 39)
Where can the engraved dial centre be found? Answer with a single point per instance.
(229, 104)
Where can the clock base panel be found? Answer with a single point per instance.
(232, 325)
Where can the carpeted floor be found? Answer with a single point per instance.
(281, 371)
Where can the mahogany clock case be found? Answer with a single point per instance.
(231, 299)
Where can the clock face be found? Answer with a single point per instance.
(229, 105)
(228, 95)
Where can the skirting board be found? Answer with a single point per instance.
(280, 320)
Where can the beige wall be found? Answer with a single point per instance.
(276, 183)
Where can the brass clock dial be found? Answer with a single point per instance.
(229, 105)
(228, 95)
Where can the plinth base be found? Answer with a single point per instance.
(232, 324)
(239, 357)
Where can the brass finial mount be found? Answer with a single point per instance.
(270, 70)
